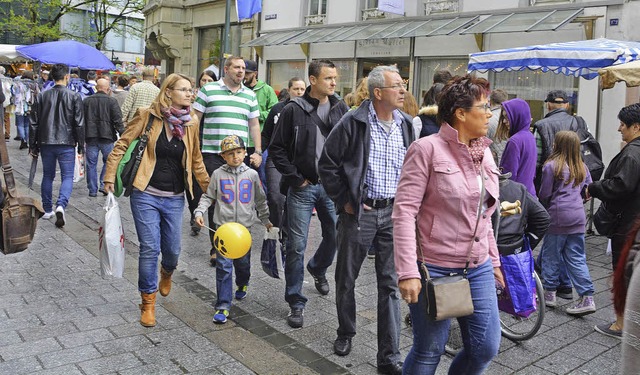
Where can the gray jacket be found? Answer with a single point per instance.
(237, 194)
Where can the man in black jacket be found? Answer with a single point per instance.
(57, 126)
(103, 119)
(295, 149)
(360, 168)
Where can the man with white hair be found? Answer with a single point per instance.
(359, 170)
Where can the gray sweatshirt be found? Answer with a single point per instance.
(237, 193)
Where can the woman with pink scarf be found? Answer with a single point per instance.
(170, 161)
(435, 216)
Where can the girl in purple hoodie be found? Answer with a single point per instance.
(564, 178)
(520, 153)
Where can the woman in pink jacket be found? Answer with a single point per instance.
(434, 219)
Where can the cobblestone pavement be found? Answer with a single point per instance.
(59, 316)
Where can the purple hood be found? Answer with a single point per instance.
(518, 113)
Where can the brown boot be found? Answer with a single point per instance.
(165, 282)
(148, 309)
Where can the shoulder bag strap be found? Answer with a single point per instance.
(8, 171)
(475, 231)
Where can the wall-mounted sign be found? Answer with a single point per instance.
(270, 17)
(613, 22)
(382, 47)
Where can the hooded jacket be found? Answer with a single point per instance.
(293, 145)
(267, 98)
(345, 157)
(428, 117)
(237, 193)
(520, 153)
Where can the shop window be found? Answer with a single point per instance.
(346, 70)
(428, 67)
(533, 86)
(209, 50)
(440, 6)
(317, 14)
(280, 72)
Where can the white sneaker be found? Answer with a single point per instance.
(47, 215)
(59, 217)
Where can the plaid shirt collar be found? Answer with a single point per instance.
(373, 117)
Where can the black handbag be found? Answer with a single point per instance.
(128, 168)
(450, 296)
(606, 221)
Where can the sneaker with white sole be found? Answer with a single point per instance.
(220, 316)
(585, 306)
(48, 215)
(60, 217)
(550, 299)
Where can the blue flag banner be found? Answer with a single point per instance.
(247, 8)
(391, 6)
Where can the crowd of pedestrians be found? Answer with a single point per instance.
(409, 187)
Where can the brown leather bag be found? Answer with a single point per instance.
(20, 214)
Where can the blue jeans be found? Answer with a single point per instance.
(480, 330)
(224, 285)
(300, 204)
(92, 164)
(22, 124)
(159, 226)
(66, 158)
(354, 238)
(566, 250)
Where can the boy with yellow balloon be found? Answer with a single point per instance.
(236, 193)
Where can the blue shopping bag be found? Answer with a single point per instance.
(519, 294)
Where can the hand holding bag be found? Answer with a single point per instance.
(450, 296)
(111, 240)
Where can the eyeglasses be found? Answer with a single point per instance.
(485, 107)
(184, 90)
(397, 87)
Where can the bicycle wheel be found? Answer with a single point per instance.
(517, 328)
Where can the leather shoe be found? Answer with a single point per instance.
(321, 283)
(390, 369)
(296, 317)
(342, 346)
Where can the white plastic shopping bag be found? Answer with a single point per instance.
(78, 168)
(111, 238)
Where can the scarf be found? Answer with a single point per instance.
(177, 118)
(476, 149)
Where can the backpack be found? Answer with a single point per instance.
(590, 149)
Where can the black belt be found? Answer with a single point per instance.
(379, 203)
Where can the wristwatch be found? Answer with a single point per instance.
(257, 152)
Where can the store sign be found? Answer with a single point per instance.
(270, 17)
(382, 47)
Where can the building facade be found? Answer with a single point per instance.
(438, 34)
(186, 35)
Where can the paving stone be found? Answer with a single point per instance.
(102, 321)
(200, 361)
(85, 337)
(235, 368)
(560, 362)
(48, 330)
(113, 363)
(68, 356)
(29, 348)
(10, 338)
(24, 365)
(62, 370)
(123, 345)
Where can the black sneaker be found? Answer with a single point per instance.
(564, 292)
(322, 285)
(295, 318)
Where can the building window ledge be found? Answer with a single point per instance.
(316, 19)
(441, 6)
(373, 13)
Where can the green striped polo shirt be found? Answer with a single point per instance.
(225, 113)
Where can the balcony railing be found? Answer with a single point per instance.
(547, 2)
(440, 6)
(316, 19)
(373, 13)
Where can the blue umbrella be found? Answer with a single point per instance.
(579, 59)
(69, 52)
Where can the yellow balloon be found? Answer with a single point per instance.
(232, 240)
